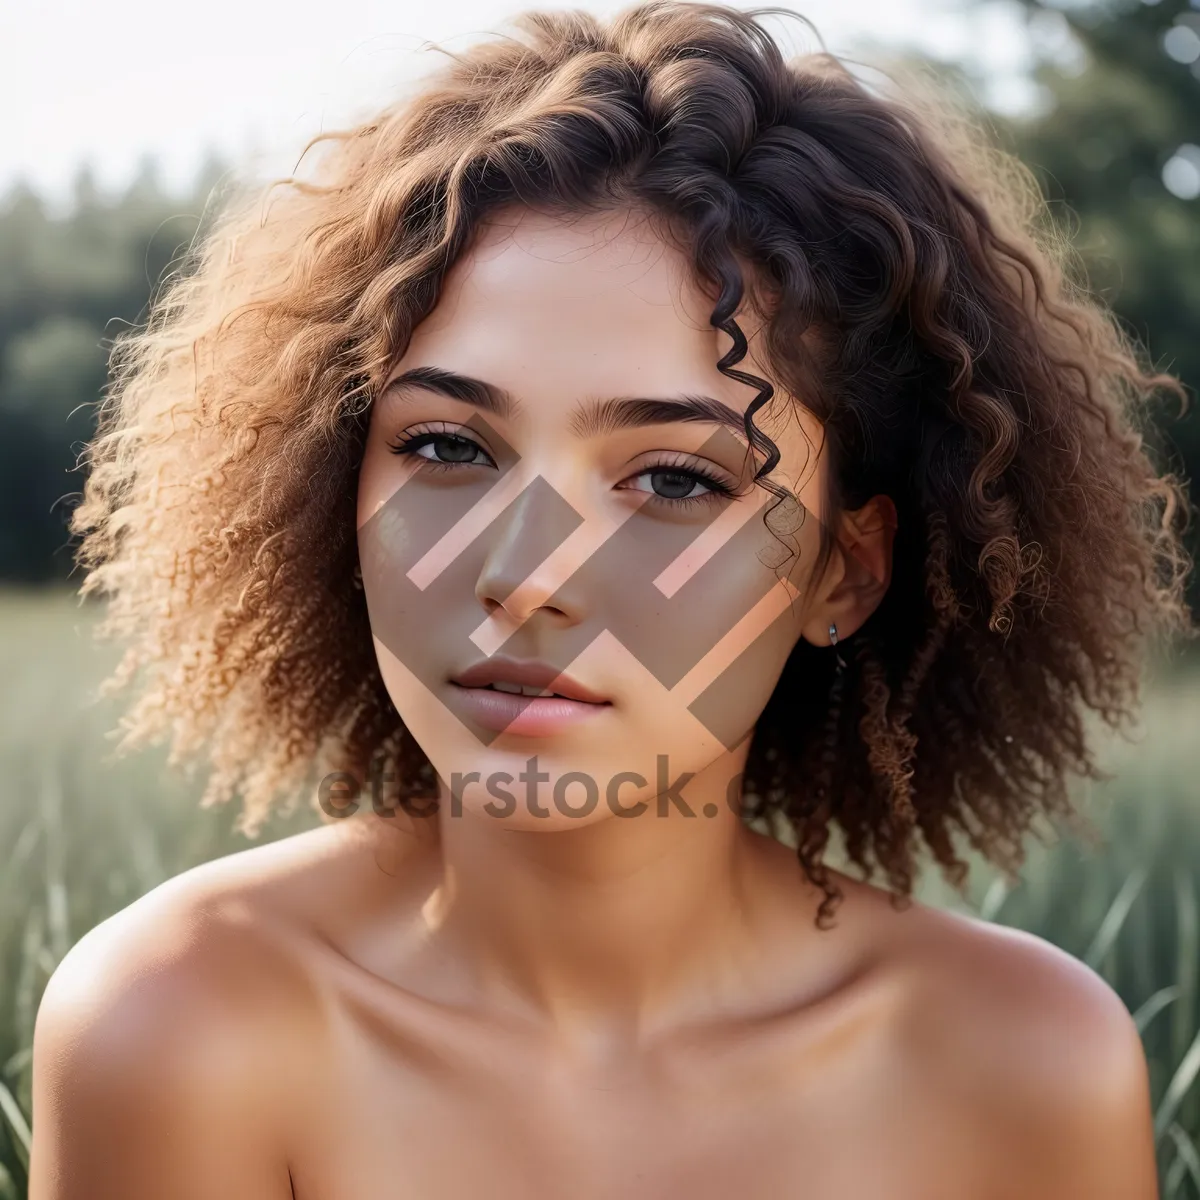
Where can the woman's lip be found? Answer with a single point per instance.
(526, 716)
(546, 677)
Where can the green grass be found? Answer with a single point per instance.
(81, 837)
(1129, 910)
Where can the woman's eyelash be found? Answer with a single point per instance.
(718, 489)
(412, 443)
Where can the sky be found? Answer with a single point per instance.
(109, 82)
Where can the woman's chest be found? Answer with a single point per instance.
(771, 1117)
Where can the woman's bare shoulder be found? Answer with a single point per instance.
(1036, 1002)
(217, 932)
(1037, 1048)
(214, 940)
(180, 1016)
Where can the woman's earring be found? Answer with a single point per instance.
(833, 641)
(356, 578)
(827, 766)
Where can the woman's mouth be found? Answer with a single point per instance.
(529, 699)
(518, 712)
(522, 689)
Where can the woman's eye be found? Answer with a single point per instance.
(443, 449)
(674, 485)
(680, 486)
(449, 449)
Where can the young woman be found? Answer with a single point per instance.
(610, 473)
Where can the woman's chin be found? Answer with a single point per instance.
(531, 790)
(537, 814)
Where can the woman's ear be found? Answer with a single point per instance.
(863, 555)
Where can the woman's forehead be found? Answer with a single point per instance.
(598, 278)
(589, 305)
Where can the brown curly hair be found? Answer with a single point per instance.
(918, 298)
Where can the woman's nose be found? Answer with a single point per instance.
(518, 574)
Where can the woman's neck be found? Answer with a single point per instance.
(618, 927)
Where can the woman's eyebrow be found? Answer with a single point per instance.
(591, 419)
(486, 396)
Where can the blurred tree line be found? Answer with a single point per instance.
(1116, 141)
(68, 284)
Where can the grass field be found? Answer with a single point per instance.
(81, 837)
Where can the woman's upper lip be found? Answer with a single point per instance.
(530, 672)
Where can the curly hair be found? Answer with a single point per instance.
(918, 297)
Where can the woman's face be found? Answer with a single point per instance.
(532, 502)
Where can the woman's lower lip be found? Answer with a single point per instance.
(528, 716)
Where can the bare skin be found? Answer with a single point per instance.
(263, 1026)
(544, 1005)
